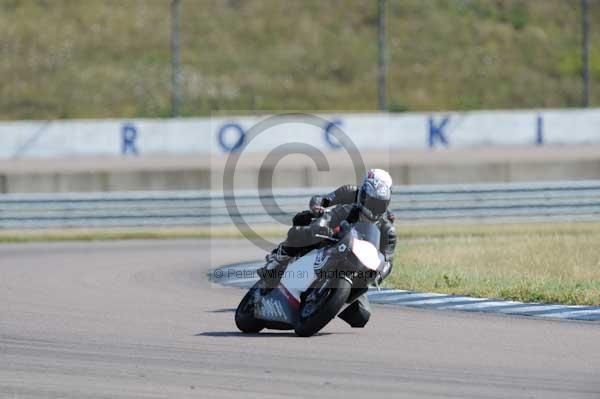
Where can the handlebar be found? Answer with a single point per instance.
(327, 237)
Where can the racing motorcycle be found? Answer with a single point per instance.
(316, 286)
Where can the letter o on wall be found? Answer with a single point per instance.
(329, 136)
(226, 144)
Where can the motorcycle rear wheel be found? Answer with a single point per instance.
(244, 314)
(320, 304)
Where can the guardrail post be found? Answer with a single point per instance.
(175, 59)
(382, 61)
(585, 50)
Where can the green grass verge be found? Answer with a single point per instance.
(536, 262)
(550, 263)
(26, 236)
(405, 232)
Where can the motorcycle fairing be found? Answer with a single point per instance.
(300, 274)
(282, 303)
(278, 305)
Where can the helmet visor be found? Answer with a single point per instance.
(373, 208)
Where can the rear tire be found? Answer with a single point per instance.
(334, 294)
(244, 314)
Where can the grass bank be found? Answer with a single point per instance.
(109, 58)
(555, 263)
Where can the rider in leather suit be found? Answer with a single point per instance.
(367, 203)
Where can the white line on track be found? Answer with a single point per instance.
(443, 301)
(406, 297)
(573, 314)
(533, 308)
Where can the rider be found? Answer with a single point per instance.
(369, 203)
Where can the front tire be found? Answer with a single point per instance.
(244, 314)
(320, 304)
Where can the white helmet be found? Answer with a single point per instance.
(374, 194)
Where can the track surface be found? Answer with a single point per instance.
(139, 320)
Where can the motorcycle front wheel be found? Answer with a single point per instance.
(321, 303)
(244, 314)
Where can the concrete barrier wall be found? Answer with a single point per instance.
(367, 131)
(195, 172)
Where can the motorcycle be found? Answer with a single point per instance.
(316, 286)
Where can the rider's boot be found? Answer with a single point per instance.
(272, 271)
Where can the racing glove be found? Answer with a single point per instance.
(316, 205)
(321, 229)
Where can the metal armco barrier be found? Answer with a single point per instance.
(571, 200)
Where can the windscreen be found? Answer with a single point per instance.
(368, 232)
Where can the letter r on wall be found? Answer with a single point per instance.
(129, 136)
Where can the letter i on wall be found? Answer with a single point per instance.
(539, 131)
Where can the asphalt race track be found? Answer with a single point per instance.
(138, 319)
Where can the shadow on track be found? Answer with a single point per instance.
(222, 334)
(224, 310)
